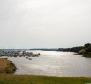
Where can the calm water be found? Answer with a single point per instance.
(52, 63)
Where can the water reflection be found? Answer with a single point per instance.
(52, 63)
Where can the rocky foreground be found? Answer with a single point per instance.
(6, 66)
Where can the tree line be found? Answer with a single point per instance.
(84, 50)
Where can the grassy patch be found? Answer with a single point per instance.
(25, 79)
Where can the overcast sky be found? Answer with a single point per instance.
(44, 23)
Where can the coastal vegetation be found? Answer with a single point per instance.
(82, 50)
(86, 50)
(26, 79)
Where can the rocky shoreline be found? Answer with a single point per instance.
(6, 66)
